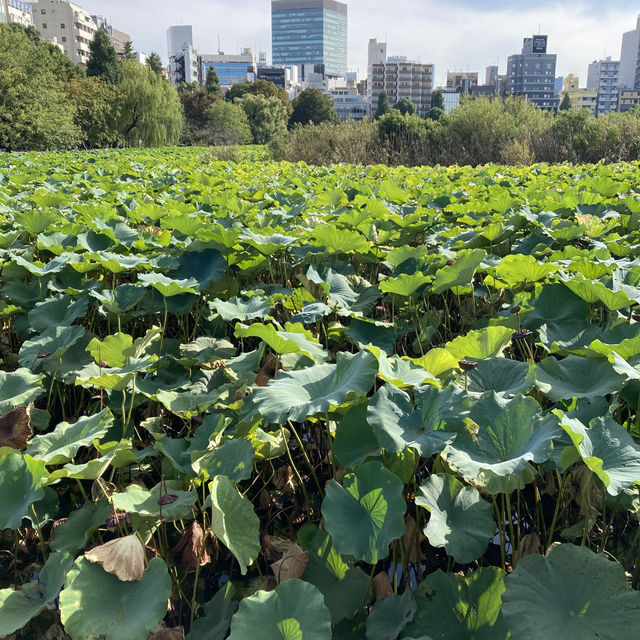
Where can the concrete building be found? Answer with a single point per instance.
(348, 103)
(583, 99)
(491, 76)
(17, 12)
(183, 58)
(401, 78)
(231, 68)
(462, 79)
(451, 97)
(279, 75)
(604, 77)
(310, 32)
(67, 24)
(570, 83)
(629, 56)
(627, 99)
(377, 55)
(118, 39)
(531, 73)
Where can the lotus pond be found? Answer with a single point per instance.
(269, 400)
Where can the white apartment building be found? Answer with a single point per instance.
(183, 58)
(377, 55)
(604, 77)
(66, 24)
(401, 78)
(629, 59)
(348, 103)
(16, 11)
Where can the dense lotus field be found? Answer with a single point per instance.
(272, 401)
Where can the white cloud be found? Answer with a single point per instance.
(449, 34)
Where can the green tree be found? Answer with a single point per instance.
(565, 105)
(98, 106)
(435, 113)
(260, 87)
(313, 107)
(383, 105)
(154, 62)
(229, 124)
(212, 84)
(103, 59)
(127, 52)
(398, 128)
(406, 107)
(195, 105)
(151, 112)
(36, 111)
(437, 99)
(267, 117)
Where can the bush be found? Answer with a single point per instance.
(229, 124)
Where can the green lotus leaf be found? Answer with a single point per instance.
(45, 509)
(205, 349)
(519, 269)
(339, 292)
(282, 342)
(152, 503)
(57, 311)
(242, 310)
(21, 481)
(202, 266)
(398, 425)
(18, 606)
(572, 594)
(354, 439)
(608, 450)
(460, 273)
(234, 522)
(62, 444)
(74, 533)
(233, 458)
(366, 513)
(461, 521)
(390, 616)
(267, 244)
(18, 389)
(369, 332)
(404, 285)
(554, 306)
(95, 603)
(593, 291)
(123, 298)
(118, 262)
(402, 372)
(505, 377)
(501, 439)
(294, 610)
(50, 345)
(298, 394)
(485, 343)
(94, 242)
(53, 266)
(35, 221)
(438, 362)
(168, 286)
(340, 240)
(343, 586)
(217, 615)
(576, 377)
(114, 350)
(452, 607)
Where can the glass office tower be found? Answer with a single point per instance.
(310, 32)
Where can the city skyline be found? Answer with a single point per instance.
(457, 35)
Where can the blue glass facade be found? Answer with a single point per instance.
(229, 73)
(310, 32)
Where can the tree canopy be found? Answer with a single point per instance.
(103, 59)
(437, 100)
(260, 87)
(313, 107)
(267, 117)
(406, 107)
(229, 123)
(565, 105)
(383, 105)
(154, 62)
(212, 84)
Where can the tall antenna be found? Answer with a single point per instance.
(219, 45)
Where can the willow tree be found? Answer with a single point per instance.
(151, 113)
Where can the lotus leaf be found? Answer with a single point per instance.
(485, 343)
(366, 513)
(460, 273)
(18, 389)
(21, 481)
(390, 616)
(505, 377)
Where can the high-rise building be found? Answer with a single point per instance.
(401, 78)
(4, 12)
(183, 58)
(230, 68)
(377, 55)
(460, 79)
(628, 77)
(531, 73)
(604, 77)
(491, 76)
(18, 12)
(118, 38)
(67, 25)
(307, 32)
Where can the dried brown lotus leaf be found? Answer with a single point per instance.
(529, 545)
(123, 557)
(176, 633)
(381, 586)
(101, 489)
(292, 564)
(274, 548)
(410, 539)
(190, 548)
(15, 427)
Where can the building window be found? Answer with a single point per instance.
(62, 25)
(44, 25)
(43, 12)
(64, 38)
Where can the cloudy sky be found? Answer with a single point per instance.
(454, 35)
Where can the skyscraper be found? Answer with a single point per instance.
(604, 76)
(532, 73)
(310, 32)
(629, 58)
